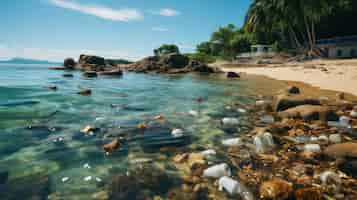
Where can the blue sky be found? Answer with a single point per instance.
(55, 29)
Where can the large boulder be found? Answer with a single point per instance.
(91, 60)
(174, 61)
(310, 112)
(69, 63)
(284, 102)
(342, 150)
(233, 75)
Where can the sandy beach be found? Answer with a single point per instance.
(337, 75)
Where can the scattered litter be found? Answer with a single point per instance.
(193, 113)
(331, 178)
(263, 142)
(209, 153)
(230, 121)
(86, 166)
(177, 132)
(335, 138)
(98, 179)
(353, 114)
(241, 110)
(232, 142)
(87, 178)
(60, 139)
(217, 171)
(345, 121)
(267, 119)
(314, 148)
(65, 179)
(234, 187)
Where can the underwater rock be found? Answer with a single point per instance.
(285, 102)
(90, 74)
(4, 175)
(113, 145)
(310, 112)
(332, 179)
(292, 90)
(67, 75)
(116, 72)
(180, 158)
(102, 195)
(342, 150)
(51, 87)
(85, 92)
(142, 126)
(233, 75)
(313, 148)
(275, 189)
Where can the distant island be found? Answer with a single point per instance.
(27, 61)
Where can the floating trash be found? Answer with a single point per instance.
(230, 121)
(232, 142)
(335, 138)
(193, 113)
(60, 139)
(267, 119)
(313, 148)
(86, 166)
(87, 178)
(217, 171)
(65, 179)
(177, 132)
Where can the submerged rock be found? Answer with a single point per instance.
(90, 74)
(85, 92)
(112, 73)
(232, 75)
(113, 145)
(67, 75)
(69, 63)
(293, 90)
(285, 102)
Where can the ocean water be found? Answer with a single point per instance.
(33, 118)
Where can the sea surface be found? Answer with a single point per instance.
(40, 138)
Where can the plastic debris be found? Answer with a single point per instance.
(230, 121)
(241, 110)
(217, 171)
(65, 179)
(345, 121)
(86, 166)
(232, 142)
(229, 185)
(89, 130)
(209, 153)
(59, 139)
(335, 138)
(267, 119)
(98, 179)
(177, 132)
(331, 178)
(193, 113)
(87, 178)
(323, 139)
(314, 148)
(263, 142)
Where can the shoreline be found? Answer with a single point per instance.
(335, 75)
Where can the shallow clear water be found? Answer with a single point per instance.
(116, 106)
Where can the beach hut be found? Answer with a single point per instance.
(339, 47)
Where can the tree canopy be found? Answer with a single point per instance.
(166, 49)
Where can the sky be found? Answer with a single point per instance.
(130, 29)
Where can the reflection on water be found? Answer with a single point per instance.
(41, 142)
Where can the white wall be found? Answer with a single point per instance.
(346, 52)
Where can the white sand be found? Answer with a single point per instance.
(341, 74)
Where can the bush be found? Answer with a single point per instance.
(204, 58)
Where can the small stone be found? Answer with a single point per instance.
(89, 129)
(193, 113)
(340, 96)
(230, 121)
(276, 189)
(179, 158)
(233, 75)
(241, 110)
(353, 113)
(102, 195)
(85, 92)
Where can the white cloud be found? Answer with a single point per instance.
(159, 29)
(60, 54)
(168, 12)
(125, 15)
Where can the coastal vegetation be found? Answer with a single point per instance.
(293, 25)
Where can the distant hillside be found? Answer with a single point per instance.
(27, 61)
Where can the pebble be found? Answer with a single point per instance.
(230, 121)
(353, 114)
(87, 178)
(65, 179)
(268, 119)
(177, 132)
(98, 179)
(345, 121)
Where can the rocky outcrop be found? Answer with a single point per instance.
(69, 63)
(284, 102)
(310, 112)
(171, 63)
(232, 75)
(91, 60)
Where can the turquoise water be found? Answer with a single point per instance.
(32, 118)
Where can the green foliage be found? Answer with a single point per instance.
(277, 47)
(166, 49)
(202, 57)
(117, 61)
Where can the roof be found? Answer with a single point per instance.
(341, 41)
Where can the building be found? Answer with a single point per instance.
(339, 47)
(258, 50)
